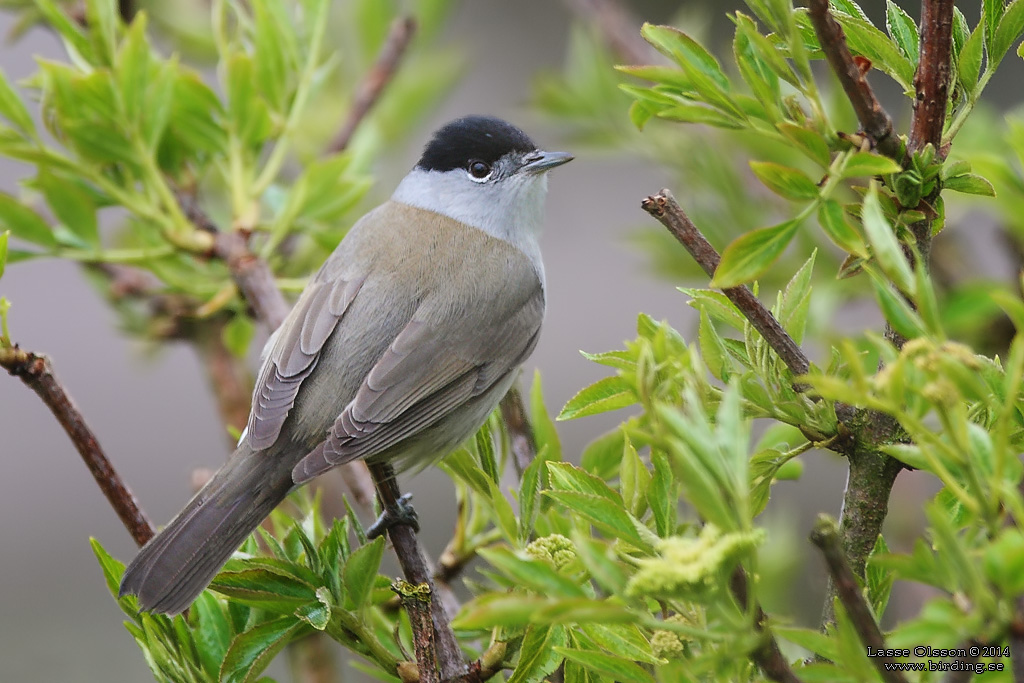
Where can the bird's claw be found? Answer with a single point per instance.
(401, 513)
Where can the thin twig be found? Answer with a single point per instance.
(874, 120)
(826, 536)
(620, 30)
(664, 207)
(767, 656)
(376, 80)
(520, 432)
(36, 372)
(450, 662)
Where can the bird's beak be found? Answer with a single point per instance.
(539, 162)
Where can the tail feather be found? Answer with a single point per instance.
(178, 563)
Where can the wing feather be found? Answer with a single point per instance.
(294, 354)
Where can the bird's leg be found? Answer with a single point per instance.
(396, 509)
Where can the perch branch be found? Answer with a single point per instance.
(767, 656)
(664, 207)
(826, 536)
(36, 372)
(376, 80)
(416, 599)
(450, 662)
(874, 120)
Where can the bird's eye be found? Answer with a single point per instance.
(479, 169)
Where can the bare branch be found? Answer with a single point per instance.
(376, 80)
(36, 372)
(416, 599)
(931, 82)
(520, 432)
(450, 662)
(767, 656)
(826, 536)
(874, 120)
(664, 207)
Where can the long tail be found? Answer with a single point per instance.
(174, 567)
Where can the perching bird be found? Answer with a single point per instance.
(397, 351)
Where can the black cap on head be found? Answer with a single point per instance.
(473, 138)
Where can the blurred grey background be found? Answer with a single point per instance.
(157, 420)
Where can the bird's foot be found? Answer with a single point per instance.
(401, 513)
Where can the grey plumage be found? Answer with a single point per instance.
(398, 362)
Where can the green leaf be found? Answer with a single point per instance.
(970, 183)
(867, 40)
(610, 393)
(360, 572)
(750, 255)
(267, 588)
(537, 657)
(3, 250)
(510, 610)
(785, 181)
(113, 569)
(564, 476)
(544, 431)
(72, 206)
(535, 575)
(885, 247)
(969, 66)
(623, 640)
(663, 503)
(712, 348)
(600, 561)
(796, 300)
(879, 579)
(895, 308)
(534, 479)
(614, 668)
(484, 443)
(13, 109)
(318, 614)
(766, 50)
(762, 80)
(211, 630)
(903, 30)
(867, 164)
(251, 652)
(686, 52)
(811, 143)
(634, 480)
(275, 51)
(606, 515)
(238, 334)
(24, 223)
(696, 113)
(101, 18)
(133, 69)
(1008, 30)
(832, 218)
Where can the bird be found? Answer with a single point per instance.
(395, 353)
